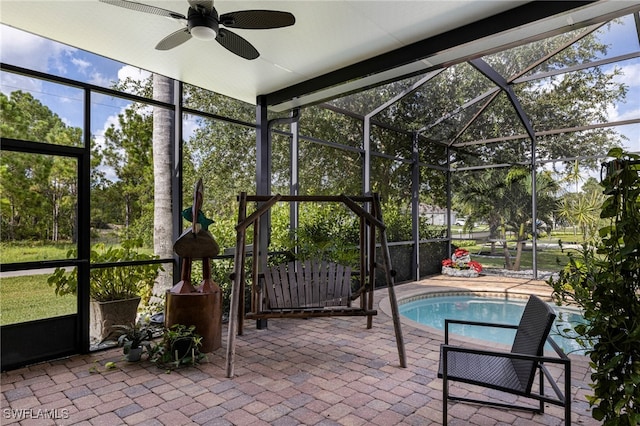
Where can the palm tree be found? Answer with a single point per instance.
(519, 205)
(162, 214)
(503, 198)
(479, 197)
(583, 209)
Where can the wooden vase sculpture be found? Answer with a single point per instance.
(198, 305)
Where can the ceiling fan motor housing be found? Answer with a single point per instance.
(197, 18)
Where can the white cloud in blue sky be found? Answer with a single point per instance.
(81, 64)
(33, 52)
(631, 78)
(133, 73)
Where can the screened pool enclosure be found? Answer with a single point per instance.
(497, 151)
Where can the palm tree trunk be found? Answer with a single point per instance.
(507, 256)
(162, 167)
(519, 247)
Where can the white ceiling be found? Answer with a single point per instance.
(327, 36)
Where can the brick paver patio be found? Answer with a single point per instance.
(311, 372)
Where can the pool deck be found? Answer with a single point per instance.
(325, 371)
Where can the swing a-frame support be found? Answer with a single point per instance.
(313, 288)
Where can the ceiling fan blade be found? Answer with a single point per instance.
(257, 19)
(206, 4)
(139, 7)
(236, 44)
(174, 39)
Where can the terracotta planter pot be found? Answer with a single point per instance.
(104, 315)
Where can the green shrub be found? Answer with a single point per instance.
(327, 232)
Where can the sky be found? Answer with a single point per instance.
(33, 52)
(36, 53)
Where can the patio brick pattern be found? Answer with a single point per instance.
(324, 371)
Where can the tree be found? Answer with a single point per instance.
(162, 180)
(503, 198)
(224, 156)
(128, 150)
(26, 209)
(518, 206)
(62, 193)
(38, 191)
(481, 197)
(582, 209)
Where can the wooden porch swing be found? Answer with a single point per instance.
(313, 288)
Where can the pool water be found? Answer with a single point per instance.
(432, 311)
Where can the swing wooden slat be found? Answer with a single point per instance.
(287, 274)
(309, 288)
(334, 286)
(285, 290)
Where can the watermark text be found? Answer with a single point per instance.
(35, 413)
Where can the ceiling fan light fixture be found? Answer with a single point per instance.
(203, 25)
(204, 33)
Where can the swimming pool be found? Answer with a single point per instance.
(432, 309)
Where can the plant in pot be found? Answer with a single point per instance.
(180, 346)
(115, 291)
(135, 338)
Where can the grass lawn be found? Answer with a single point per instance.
(36, 251)
(29, 297)
(549, 256)
(548, 259)
(31, 251)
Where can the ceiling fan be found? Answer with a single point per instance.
(202, 22)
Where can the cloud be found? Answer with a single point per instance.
(100, 79)
(98, 135)
(30, 51)
(630, 109)
(133, 73)
(615, 114)
(630, 74)
(12, 82)
(81, 64)
(190, 123)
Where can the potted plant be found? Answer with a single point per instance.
(180, 346)
(115, 291)
(135, 338)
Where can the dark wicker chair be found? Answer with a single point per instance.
(512, 372)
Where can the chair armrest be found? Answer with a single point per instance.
(556, 348)
(474, 323)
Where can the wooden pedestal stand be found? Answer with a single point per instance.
(201, 307)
